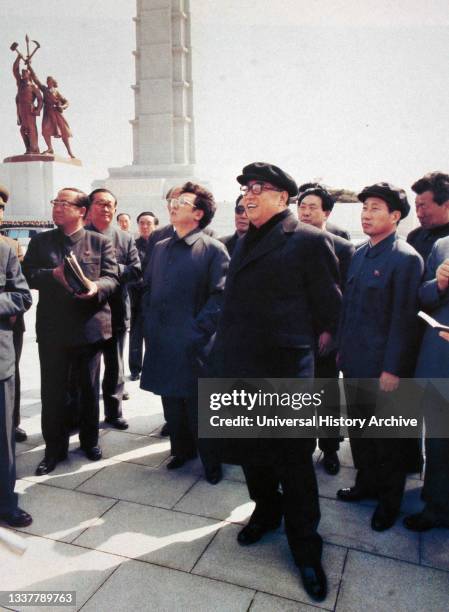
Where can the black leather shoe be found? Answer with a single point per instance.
(331, 463)
(383, 519)
(20, 434)
(125, 396)
(48, 463)
(134, 376)
(17, 518)
(314, 581)
(423, 521)
(253, 532)
(164, 430)
(214, 474)
(94, 453)
(118, 423)
(351, 494)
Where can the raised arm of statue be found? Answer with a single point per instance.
(39, 101)
(16, 69)
(34, 77)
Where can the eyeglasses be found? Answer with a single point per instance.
(62, 203)
(104, 204)
(239, 209)
(257, 188)
(177, 202)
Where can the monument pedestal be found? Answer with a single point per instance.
(139, 188)
(33, 180)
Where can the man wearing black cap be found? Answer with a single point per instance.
(315, 204)
(378, 340)
(241, 226)
(281, 292)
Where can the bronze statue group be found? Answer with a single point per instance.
(32, 96)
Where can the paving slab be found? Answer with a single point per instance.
(349, 524)
(269, 603)
(68, 474)
(53, 566)
(411, 501)
(233, 472)
(135, 448)
(143, 410)
(29, 406)
(141, 586)
(345, 455)
(32, 426)
(59, 514)
(226, 501)
(159, 536)
(329, 485)
(141, 484)
(145, 424)
(23, 447)
(435, 548)
(373, 584)
(266, 566)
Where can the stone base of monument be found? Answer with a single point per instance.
(42, 157)
(138, 188)
(33, 180)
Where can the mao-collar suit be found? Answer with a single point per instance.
(129, 269)
(70, 330)
(379, 332)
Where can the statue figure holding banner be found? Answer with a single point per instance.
(54, 123)
(31, 96)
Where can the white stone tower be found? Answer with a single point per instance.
(163, 129)
(163, 125)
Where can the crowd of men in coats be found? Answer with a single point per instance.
(285, 296)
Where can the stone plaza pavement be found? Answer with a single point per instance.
(126, 534)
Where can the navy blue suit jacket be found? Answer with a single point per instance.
(379, 329)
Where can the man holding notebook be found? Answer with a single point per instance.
(70, 326)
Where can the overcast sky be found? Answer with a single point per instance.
(349, 92)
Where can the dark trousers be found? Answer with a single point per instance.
(113, 383)
(436, 479)
(18, 345)
(8, 499)
(136, 340)
(380, 463)
(55, 363)
(326, 367)
(298, 503)
(181, 414)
